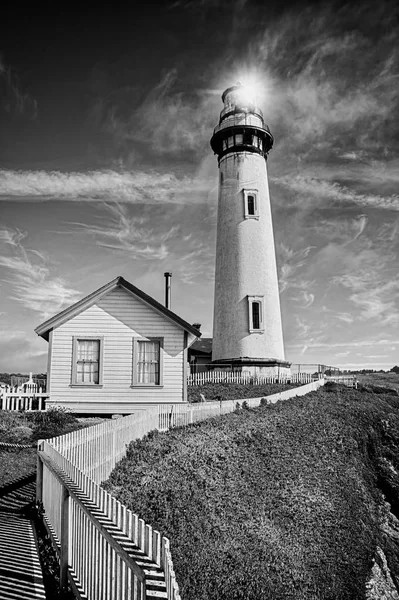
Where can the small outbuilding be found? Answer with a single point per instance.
(116, 351)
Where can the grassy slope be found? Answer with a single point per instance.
(278, 502)
(232, 391)
(384, 380)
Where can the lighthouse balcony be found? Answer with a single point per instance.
(232, 110)
(241, 120)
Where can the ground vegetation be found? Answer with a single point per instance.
(293, 500)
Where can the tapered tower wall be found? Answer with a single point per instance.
(245, 263)
(246, 271)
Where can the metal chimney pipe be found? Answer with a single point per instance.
(168, 277)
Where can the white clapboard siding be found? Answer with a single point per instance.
(118, 317)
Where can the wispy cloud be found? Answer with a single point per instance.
(318, 191)
(169, 120)
(305, 298)
(28, 273)
(290, 262)
(13, 99)
(129, 234)
(377, 301)
(103, 186)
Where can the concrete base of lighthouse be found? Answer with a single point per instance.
(279, 369)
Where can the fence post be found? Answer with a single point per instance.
(39, 475)
(64, 542)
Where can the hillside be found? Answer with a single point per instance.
(281, 502)
(383, 380)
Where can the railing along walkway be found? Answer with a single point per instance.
(20, 570)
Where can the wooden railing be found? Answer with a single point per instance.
(105, 550)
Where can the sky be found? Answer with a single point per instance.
(106, 168)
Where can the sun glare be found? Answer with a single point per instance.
(250, 91)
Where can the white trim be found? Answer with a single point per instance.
(136, 341)
(75, 340)
(255, 194)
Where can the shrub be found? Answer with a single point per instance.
(283, 503)
(52, 422)
(233, 391)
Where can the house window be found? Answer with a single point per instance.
(251, 208)
(87, 361)
(147, 361)
(255, 313)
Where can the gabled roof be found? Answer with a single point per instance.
(202, 346)
(44, 329)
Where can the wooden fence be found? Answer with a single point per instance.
(30, 398)
(105, 550)
(248, 379)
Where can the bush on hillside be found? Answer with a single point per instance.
(56, 420)
(28, 427)
(279, 502)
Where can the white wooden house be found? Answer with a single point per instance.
(116, 351)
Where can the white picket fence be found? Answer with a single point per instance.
(31, 398)
(247, 378)
(105, 550)
(27, 397)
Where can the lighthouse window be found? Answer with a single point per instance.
(255, 306)
(251, 208)
(239, 138)
(251, 205)
(256, 315)
(248, 138)
(224, 144)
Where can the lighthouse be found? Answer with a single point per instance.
(247, 329)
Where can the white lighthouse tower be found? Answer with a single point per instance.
(247, 330)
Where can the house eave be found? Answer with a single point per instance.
(44, 329)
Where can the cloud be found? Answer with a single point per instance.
(344, 317)
(318, 191)
(306, 298)
(30, 277)
(291, 261)
(103, 186)
(168, 121)
(12, 99)
(130, 234)
(22, 351)
(377, 301)
(343, 74)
